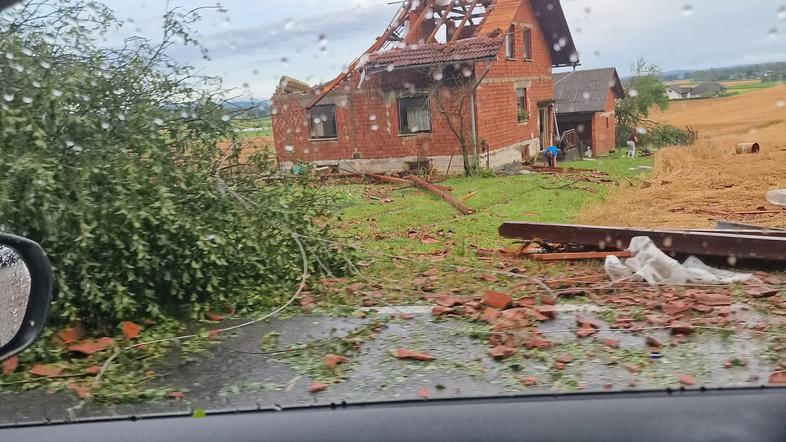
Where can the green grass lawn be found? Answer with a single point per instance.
(413, 214)
(254, 127)
(751, 87)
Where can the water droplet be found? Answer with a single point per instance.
(8, 97)
(9, 55)
(57, 93)
(36, 84)
(641, 130)
(574, 58)
(284, 62)
(105, 125)
(390, 68)
(27, 100)
(772, 34)
(48, 38)
(437, 75)
(687, 10)
(45, 65)
(158, 122)
(633, 93)
(289, 24)
(585, 95)
(782, 13)
(372, 117)
(289, 148)
(225, 118)
(121, 117)
(374, 127)
(323, 41)
(780, 103)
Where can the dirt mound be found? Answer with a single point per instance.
(695, 186)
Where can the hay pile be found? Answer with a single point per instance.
(689, 187)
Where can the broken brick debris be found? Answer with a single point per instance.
(412, 355)
(496, 300)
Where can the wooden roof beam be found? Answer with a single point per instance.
(460, 26)
(440, 23)
(414, 29)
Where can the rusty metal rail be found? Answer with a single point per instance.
(771, 248)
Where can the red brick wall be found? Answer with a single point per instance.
(497, 111)
(604, 128)
(373, 111)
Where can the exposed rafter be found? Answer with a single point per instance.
(439, 23)
(463, 22)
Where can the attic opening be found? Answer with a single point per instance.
(437, 21)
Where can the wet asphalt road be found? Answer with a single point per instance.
(462, 367)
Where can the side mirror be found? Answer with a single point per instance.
(25, 293)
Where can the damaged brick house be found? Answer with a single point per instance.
(585, 103)
(446, 76)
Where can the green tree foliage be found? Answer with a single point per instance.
(643, 91)
(112, 160)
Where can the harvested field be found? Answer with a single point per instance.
(698, 185)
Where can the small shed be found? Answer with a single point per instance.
(585, 103)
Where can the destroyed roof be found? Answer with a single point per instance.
(469, 49)
(289, 85)
(420, 22)
(585, 91)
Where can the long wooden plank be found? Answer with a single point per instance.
(685, 242)
(460, 27)
(461, 207)
(577, 256)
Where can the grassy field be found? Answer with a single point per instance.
(743, 88)
(411, 220)
(254, 127)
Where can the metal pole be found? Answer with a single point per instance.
(472, 126)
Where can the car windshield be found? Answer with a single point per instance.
(256, 204)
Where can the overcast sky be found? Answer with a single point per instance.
(257, 41)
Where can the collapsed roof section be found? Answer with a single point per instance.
(439, 28)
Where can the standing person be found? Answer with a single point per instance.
(550, 156)
(633, 139)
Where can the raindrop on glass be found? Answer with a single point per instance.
(289, 24)
(36, 84)
(225, 118)
(158, 122)
(27, 100)
(45, 65)
(687, 10)
(289, 148)
(633, 93)
(57, 93)
(8, 97)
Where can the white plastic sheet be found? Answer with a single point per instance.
(650, 264)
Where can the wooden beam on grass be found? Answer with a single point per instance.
(460, 206)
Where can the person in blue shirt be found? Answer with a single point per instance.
(550, 156)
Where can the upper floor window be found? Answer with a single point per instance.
(323, 121)
(527, 47)
(509, 53)
(414, 115)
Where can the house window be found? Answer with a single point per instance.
(323, 121)
(607, 122)
(522, 105)
(414, 115)
(509, 43)
(527, 44)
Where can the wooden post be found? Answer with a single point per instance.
(461, 207)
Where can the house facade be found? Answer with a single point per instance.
(585, 103)
(447, 76)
